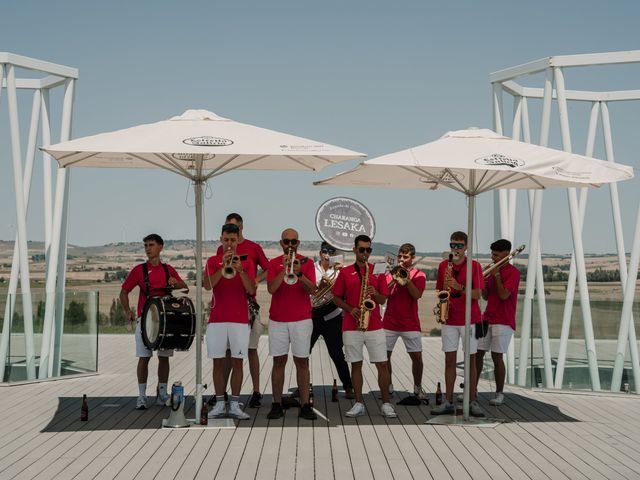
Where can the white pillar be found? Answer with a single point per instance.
(574, 214)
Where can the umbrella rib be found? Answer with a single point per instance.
(300, 163)
(217, 171)
(484, 175)
(437, 181)
(213, 172)
(319, 157)
(159, 165)
(79, 160)
(503, 182)
(173, 162)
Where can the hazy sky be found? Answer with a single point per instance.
(371, 76)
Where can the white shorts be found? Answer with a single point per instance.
(256, 331)
(297, 333)
(375, 341)
(453, 334)
(412, 340)
(223, 335)
(142, 351)
(497, 339)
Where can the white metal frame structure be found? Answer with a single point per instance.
(41, 78)
(504, 82)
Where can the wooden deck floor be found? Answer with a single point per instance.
(544, 435)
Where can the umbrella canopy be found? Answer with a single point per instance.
(473, 161)
(198, 145)
(222, 145)
(499, 162)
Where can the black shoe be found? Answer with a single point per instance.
(212, 400)
(295, 393)
(254, 401)
(307, 412)
(275, 412)
(226, 397)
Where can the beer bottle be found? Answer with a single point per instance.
(438, 395)
(311, 395)
(84, 409)
(204, 418)
(334, 391)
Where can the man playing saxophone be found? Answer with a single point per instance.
(290, 281)
(453, 278)
(406, 285)
(501, 294)
(360, 293)
(327, 317)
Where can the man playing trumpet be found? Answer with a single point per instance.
(231, 279)
(360, 293)
(327, 317)
(501, 294)
(290, 280)
(406, 285)
(454, 279)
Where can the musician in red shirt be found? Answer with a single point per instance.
(152, 277)
(501, 294)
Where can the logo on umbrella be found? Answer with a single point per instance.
(188, 157)
(207, 141)
(566, 173)
(499, 159)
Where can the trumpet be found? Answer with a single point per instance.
(323, 295)
(399, 275)
(366, 304)
(290, 278)
(441, 310)
(489, 269)
(228, 271)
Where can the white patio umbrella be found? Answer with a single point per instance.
(473, 161)
(198, 145)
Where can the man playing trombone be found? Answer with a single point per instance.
(231, 279)
(290, 281)
(406, 285)
(327, 317)
(359, 293)
(501, 293)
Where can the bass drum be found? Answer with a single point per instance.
(168, 323)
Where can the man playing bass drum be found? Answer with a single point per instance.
(153, 279)
(355, 288)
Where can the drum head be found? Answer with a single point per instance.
(152, 323)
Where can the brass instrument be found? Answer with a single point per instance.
(489, 269)
(228, 271)
(399, 275)
(441, 310)
(323, 294)
(366, 304)
(290, 278)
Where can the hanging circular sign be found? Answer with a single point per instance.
(340, 220)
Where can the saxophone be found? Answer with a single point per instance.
(366, 304)
(441, 310)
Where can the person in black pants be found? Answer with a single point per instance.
(327, 318)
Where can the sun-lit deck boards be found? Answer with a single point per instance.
(545, 435)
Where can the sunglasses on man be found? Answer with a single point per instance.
(330, 251)
(365, 249)
(290, 241)
(457, 245)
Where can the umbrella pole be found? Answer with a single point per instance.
(467, 310)
(198, 194)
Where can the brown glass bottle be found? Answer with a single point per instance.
(84, 409)
(204, 414)
(334, 391)
(438, 395)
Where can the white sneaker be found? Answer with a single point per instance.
(391, 389)
(420, 393)
(445, 408)
(218, 410)
(388, 411)
(141, 403)
(475, 410)
(460, 397)
(498, 400)
(236, 412)
(163, 401)
(357, 410)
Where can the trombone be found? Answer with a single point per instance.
(489, 269)
(399, 275)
